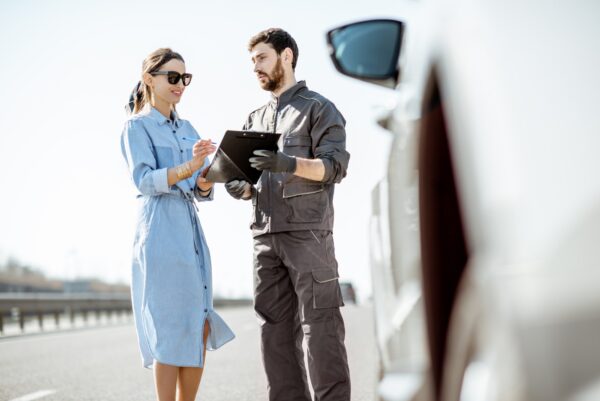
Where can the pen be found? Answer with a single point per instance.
(196, 140)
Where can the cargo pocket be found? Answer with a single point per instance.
(326, 289)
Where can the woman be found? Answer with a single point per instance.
(171, 280)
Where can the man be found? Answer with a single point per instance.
(296, 279)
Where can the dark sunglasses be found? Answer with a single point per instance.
(173, 77)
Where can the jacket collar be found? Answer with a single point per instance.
(286, 96)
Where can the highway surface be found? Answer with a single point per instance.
(102, 363)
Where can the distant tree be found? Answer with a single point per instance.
(15, 267)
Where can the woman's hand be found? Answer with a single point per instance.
(200, 151)
(202, 183)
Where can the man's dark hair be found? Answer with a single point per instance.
(279, 39)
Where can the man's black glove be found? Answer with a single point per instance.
(236, 188)
(277, 162)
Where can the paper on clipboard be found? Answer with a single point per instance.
(231, 161)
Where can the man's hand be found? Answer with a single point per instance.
(277, 162)
(237, 189)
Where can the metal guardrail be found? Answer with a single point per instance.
(24, 305)
(20, 306)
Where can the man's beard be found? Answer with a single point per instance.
(275, 79)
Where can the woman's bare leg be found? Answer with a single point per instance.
(165, 381)
(188, 379)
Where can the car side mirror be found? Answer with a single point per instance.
(368, 50)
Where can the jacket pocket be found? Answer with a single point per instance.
(326, 289)
(298, 145)
(307, 201)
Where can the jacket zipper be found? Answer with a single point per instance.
(269, 176)
(276, 113)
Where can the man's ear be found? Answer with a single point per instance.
(288, 55)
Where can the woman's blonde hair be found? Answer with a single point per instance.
(142, 93)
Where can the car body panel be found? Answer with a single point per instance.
(520, 87)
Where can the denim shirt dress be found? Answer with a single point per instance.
(171, 268)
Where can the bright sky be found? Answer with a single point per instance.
(67, 204)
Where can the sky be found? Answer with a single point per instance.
(67, 68)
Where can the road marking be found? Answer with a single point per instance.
(35, 396)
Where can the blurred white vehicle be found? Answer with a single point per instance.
(485, 233)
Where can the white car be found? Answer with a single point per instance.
(485, 233)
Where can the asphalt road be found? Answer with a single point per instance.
(103, 363)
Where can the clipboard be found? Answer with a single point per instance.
(231, 159)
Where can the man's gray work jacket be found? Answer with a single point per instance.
(311, 127)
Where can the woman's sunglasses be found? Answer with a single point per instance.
(173, 77)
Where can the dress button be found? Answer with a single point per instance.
(205, 310)
(205, 287)
(174, 131)
(181, 150)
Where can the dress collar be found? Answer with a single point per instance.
(161, 119)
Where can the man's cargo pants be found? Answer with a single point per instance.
(296, 294)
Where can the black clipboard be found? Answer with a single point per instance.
(231, 159)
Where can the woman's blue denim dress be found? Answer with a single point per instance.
(171, 270)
